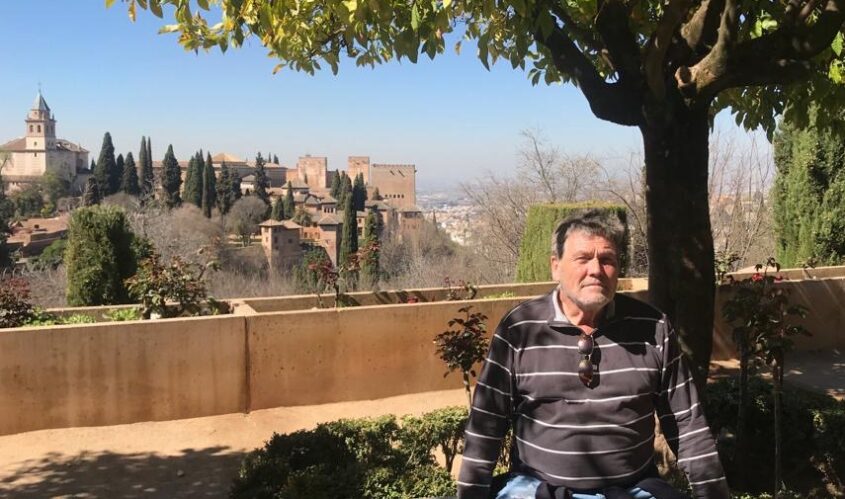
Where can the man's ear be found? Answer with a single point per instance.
(553, 263)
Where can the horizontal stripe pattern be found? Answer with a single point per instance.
(583, 437)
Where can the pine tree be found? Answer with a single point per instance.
(262, 183)
(289, 205)
(359, 192)
(106, 167)
(224, 190)
(171, 179)
(349, 233)
(129, 183)
(278, 210)
(91, 194)
(370, 265)
(209, 188)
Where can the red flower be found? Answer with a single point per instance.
(757, 277)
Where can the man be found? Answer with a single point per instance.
(578, 374)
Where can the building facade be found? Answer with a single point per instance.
(39, 151)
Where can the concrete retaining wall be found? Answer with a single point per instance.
(104, 374)
(123, 372)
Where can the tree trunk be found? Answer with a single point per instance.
(468, 389)
(680, 243)
(741, 437)
(777, 375)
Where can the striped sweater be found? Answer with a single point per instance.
(586, 438)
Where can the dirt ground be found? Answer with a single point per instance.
(188, 458)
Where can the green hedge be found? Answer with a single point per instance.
(355, 458)
(535, 248)
(813, 438)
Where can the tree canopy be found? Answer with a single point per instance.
(618, 52)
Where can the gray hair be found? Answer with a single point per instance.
(604, 223)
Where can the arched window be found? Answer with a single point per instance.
(30, 128)
(39, 128)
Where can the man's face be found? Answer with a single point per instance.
(588, 271)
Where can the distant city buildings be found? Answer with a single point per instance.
(39, 152)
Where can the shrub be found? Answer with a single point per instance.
(172, 290)
(813, 445)
(43, 318)
(443, 429)
(101, 252)
(464, 347)
(123, 314)
(15, 308)
(535, 247)
(343, 459)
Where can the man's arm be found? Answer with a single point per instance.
(489, 418)
(684, 425)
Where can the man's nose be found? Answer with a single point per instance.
(594, 266)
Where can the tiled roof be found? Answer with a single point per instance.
(15, 145)
(228, 158)
(329, 220)
(287, 224)
(329, 200)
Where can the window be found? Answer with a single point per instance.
(36, 143)
(30, 128)
(39, 128)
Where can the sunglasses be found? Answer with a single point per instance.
(586, 345)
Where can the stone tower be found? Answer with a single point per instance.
(40, 126)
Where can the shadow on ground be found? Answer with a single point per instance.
(821, 371)
(200, 473)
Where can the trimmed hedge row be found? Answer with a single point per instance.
(535, 248)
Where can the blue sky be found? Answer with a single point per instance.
(451, 117)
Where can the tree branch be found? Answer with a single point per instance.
(612, 24)
(658, 46)
(701, 31)
(610, 102)
(583, 34)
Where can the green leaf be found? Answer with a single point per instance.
(836, 45)
(415, 18)
(203, 4)
(155, 8)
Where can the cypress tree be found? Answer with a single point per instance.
(809, 166)
(224, 189)
(93, 165)
(262, 183)
(376, 194)
(5, 216)
(275, 159)
(100, 255)
(236, 186)
(359, 192)
(129, 184)
(335, 189)
(370, 266)
(349, 233)
(192, 192)
(171, 179)
(209, 188)
(149, 176)
(289, 205)
(119, 165)
(146, 177)
(106, 167)
(91, 194)
(278, 210)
